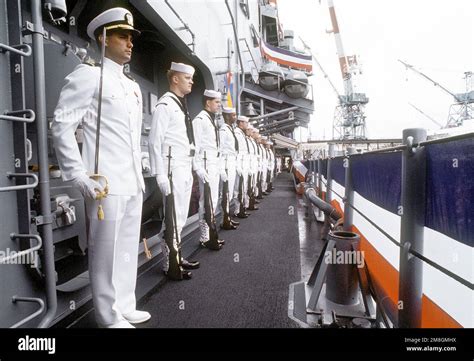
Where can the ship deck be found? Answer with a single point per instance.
(246, 283)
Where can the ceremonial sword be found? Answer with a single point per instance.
(96, 176)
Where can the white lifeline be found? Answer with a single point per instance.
(207, 145)
(113, 242)
(243, 165)
(168, 129)
(229, 156)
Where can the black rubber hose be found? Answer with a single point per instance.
(327, 209)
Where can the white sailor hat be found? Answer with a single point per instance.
(242, 118)
(212, 94)
(182, 68)
(112, 19)
(227, 110)
(269, 142)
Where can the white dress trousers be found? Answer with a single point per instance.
(113, 251)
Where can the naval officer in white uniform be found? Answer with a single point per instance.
(206, 134)
(113, 241)
(172, 127)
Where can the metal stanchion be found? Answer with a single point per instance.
(349, 191)
(412, 226)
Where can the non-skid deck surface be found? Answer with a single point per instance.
(245, 284)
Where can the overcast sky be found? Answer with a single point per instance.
(436, 36)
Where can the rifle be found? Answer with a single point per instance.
(251, 194)
(269, 181)
(226, 224)
(241, 213)
(259, 185)
(209, 216)
(171, 231)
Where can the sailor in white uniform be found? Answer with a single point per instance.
(206, 134)
(172, 127)
(264, 164)
(270, 165)
(278, 165)
(113, 241)
(254, 165)
(229, 151)
(242, 165)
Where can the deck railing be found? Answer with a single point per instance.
(429, 184)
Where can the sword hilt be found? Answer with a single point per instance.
(102, 180)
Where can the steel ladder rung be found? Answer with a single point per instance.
(16, 49)
(33, 249)
(23, 186)
(17, 116)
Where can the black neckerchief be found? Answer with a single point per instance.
(246, 141)
(236, 142)
(181, 101)
(253, 144)
(212, 117)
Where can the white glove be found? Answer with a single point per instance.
(239, 171)
(145, 162)
(87, 186)
(224, 177)
(202, 174)
(163, 184)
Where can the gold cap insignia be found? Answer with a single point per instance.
(129, 19)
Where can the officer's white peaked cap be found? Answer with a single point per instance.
(227, 110)
(182, 68)
(112, 19)
(212, 94)
(242, 118)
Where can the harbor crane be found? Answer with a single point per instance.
(426, 115)
(463, 108)
(349, 116)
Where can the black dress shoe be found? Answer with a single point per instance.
(245, 215)
(189, 264)
(211, 245)
(265, 193)
(254, 208)
(257, 202)
(221, 241)
(235, 223)
(185, 275)
(229, 227)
